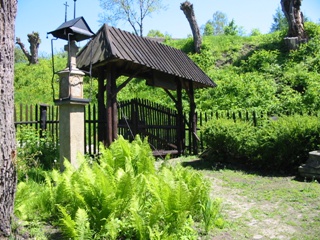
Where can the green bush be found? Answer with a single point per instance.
(312, 29)
(35, 153)
(122, 196)
(280, 145)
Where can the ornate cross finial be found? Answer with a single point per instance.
(66, 11)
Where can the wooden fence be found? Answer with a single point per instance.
(135, 116)
(40, 117)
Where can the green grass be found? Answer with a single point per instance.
(269, 207)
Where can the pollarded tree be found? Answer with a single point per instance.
(8, 9)
(187, 9)
(132, 11)
(291, 10)
(34, 40)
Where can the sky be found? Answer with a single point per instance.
(46, 15)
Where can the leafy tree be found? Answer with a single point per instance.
(219, 22)
(155, 33)
(255, 32)
(132, 11)
(8, 10)
(208, 29)
(279, 21)
(231, 29)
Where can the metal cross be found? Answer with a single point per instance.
(66, 5)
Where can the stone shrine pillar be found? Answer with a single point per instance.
(71, 109)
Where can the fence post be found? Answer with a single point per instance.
(43, 119)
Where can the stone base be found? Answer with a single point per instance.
(311, 169)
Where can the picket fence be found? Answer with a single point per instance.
(45, 118)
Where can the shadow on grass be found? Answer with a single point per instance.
(209, 164)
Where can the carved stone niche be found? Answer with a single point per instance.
(71, 84)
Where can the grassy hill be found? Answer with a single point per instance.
(255, 72)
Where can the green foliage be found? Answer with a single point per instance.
(278, 145)
(219, 21)
(242, 67)
(263, 61)
(312, 29)
(34, 152)
(244, 91)
(231, 29)
(32, 83)
(255, 32)
(208, 29)
(155, 33)
(19, 56)
(122, 195)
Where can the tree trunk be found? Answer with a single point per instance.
(187, 9)
(34, 40)
(8, 9)
(291, 10)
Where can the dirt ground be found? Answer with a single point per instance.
(263, 207)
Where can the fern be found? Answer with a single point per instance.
(82, 225)
(121, 196)
(67, 224)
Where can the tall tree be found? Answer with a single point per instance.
(219, 22)
(187, 9)
(132, 11)
(231, 29)
(291, 10)
(8, 9)
(280, 22)
(208, 29)
(34, 40)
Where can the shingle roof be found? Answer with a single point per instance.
(114, 45)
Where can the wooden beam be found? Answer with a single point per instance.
(118, 89)
(180, 123)
(111, 105)
(193, 119)
(171, 96)
(102, 135)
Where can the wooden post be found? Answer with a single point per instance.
(193, 119)
(43, 119)
(102, 136)
(180, 124)
(112, 109)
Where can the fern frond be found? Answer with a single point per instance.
(67, 225)
(82, 225)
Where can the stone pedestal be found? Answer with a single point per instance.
(71, 110)
(311, 169)
(71, 131)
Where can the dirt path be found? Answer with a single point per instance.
(248, 218)
(258, 207)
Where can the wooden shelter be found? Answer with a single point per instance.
(113, 53)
